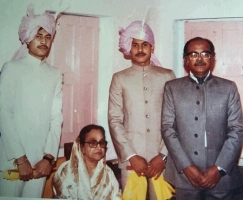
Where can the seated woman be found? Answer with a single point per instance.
(86, 175)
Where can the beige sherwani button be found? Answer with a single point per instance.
(144, 75)
(148, 131)
(145, 88)
(146, 101)
(147, 116)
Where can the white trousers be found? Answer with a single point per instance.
(29, 189)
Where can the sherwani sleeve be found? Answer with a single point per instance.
(116, 121)
(169, 134)
(53, 138)
(231, 149)
(11, 141)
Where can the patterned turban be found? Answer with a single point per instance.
(138, 31)
(29, 27)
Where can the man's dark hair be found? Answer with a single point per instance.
(87, 129)
(198, 39)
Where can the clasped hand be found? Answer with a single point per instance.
(198, 179)
(41, 169)
(149, 169)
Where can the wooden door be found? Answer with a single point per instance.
(75, 53)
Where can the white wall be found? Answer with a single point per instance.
(115, 14)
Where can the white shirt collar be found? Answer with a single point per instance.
(195, 79)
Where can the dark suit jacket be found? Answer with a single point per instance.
(189, 111)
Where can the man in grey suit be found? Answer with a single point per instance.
(202, 128)
(135, 102)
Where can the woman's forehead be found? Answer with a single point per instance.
(95, 133)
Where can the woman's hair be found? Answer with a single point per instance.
(87, 129)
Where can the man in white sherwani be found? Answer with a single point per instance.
(135, 102)
(30, 109)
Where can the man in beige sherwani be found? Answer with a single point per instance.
(135, 102)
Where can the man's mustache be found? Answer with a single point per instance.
(43, 47)
(200, 64)
(140, 54)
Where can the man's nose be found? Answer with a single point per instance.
(199, 57)
(43, 40)
(140, 48)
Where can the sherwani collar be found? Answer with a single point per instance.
(194, 79)
(34, 61)
(142, 69)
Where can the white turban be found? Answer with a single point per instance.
(140, 31)
(29, 27)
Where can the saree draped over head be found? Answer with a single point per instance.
(137, 30)
(72, 180)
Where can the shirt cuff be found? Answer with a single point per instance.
(220, 168)
(221, 171)
(163, 157)
(130, 157)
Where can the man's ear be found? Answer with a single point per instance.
(186, 60)
(152, 49)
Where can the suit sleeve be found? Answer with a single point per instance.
(116, 119)
(53, 138)
(231, 149)
(169, 134)
(11, 141)
(164, 149)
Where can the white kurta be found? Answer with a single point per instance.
(30, 110)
